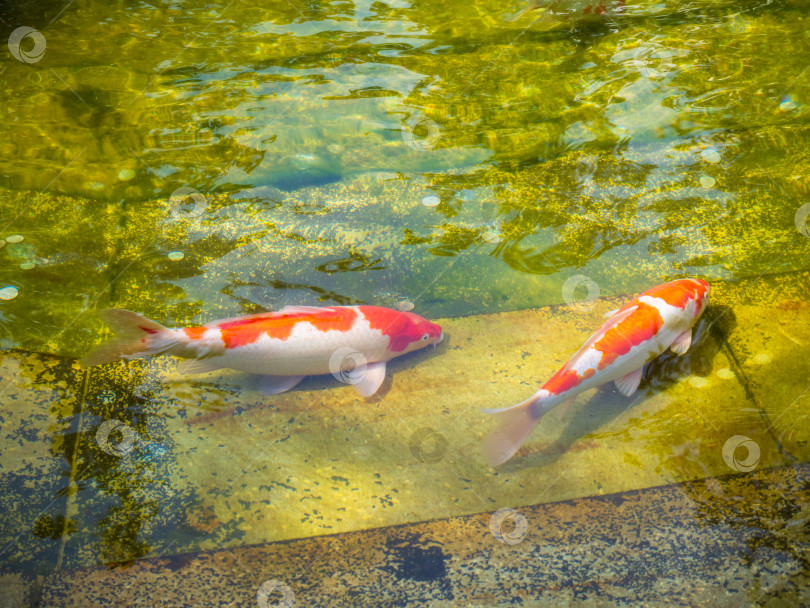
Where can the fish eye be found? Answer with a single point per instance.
(425, 337)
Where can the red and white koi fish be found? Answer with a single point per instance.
(573, 9)
(283, 346)
(633, 335)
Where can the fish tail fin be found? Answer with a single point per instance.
(135, 336)
(516, 424)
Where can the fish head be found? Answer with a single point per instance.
(699, 291)
(693, 298)
(413, 332)
(686, 299)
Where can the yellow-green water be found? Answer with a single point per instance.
(666, 141)
(193, 161)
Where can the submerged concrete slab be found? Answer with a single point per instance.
(158, 464)
(213, 463)
(40, 396)
(771, 357)
(738, 540)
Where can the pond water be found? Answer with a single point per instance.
(193, 161)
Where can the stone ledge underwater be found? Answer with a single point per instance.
(212, 464)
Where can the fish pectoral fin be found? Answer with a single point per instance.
(628, 384)
(370, 379)
(198, 366)
(682, 342)
(275, 385)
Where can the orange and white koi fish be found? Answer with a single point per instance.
(633, 335)
(283, 346)
(573, 9)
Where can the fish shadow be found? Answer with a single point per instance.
(404, 362)
(710, 335)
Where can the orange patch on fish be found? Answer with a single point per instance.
(248, 330)
(566, 379)
(393, 324)
(674, 295)
(563, 380)
(194, 333)
(640, 326)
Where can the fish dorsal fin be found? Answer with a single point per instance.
(371, 378)
(628, 384)
(299, 310)
(682, 342)
(261, 316)
(610, 313)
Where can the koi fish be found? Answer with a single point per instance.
(576, 9)
(354, 343)
(633, 335)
